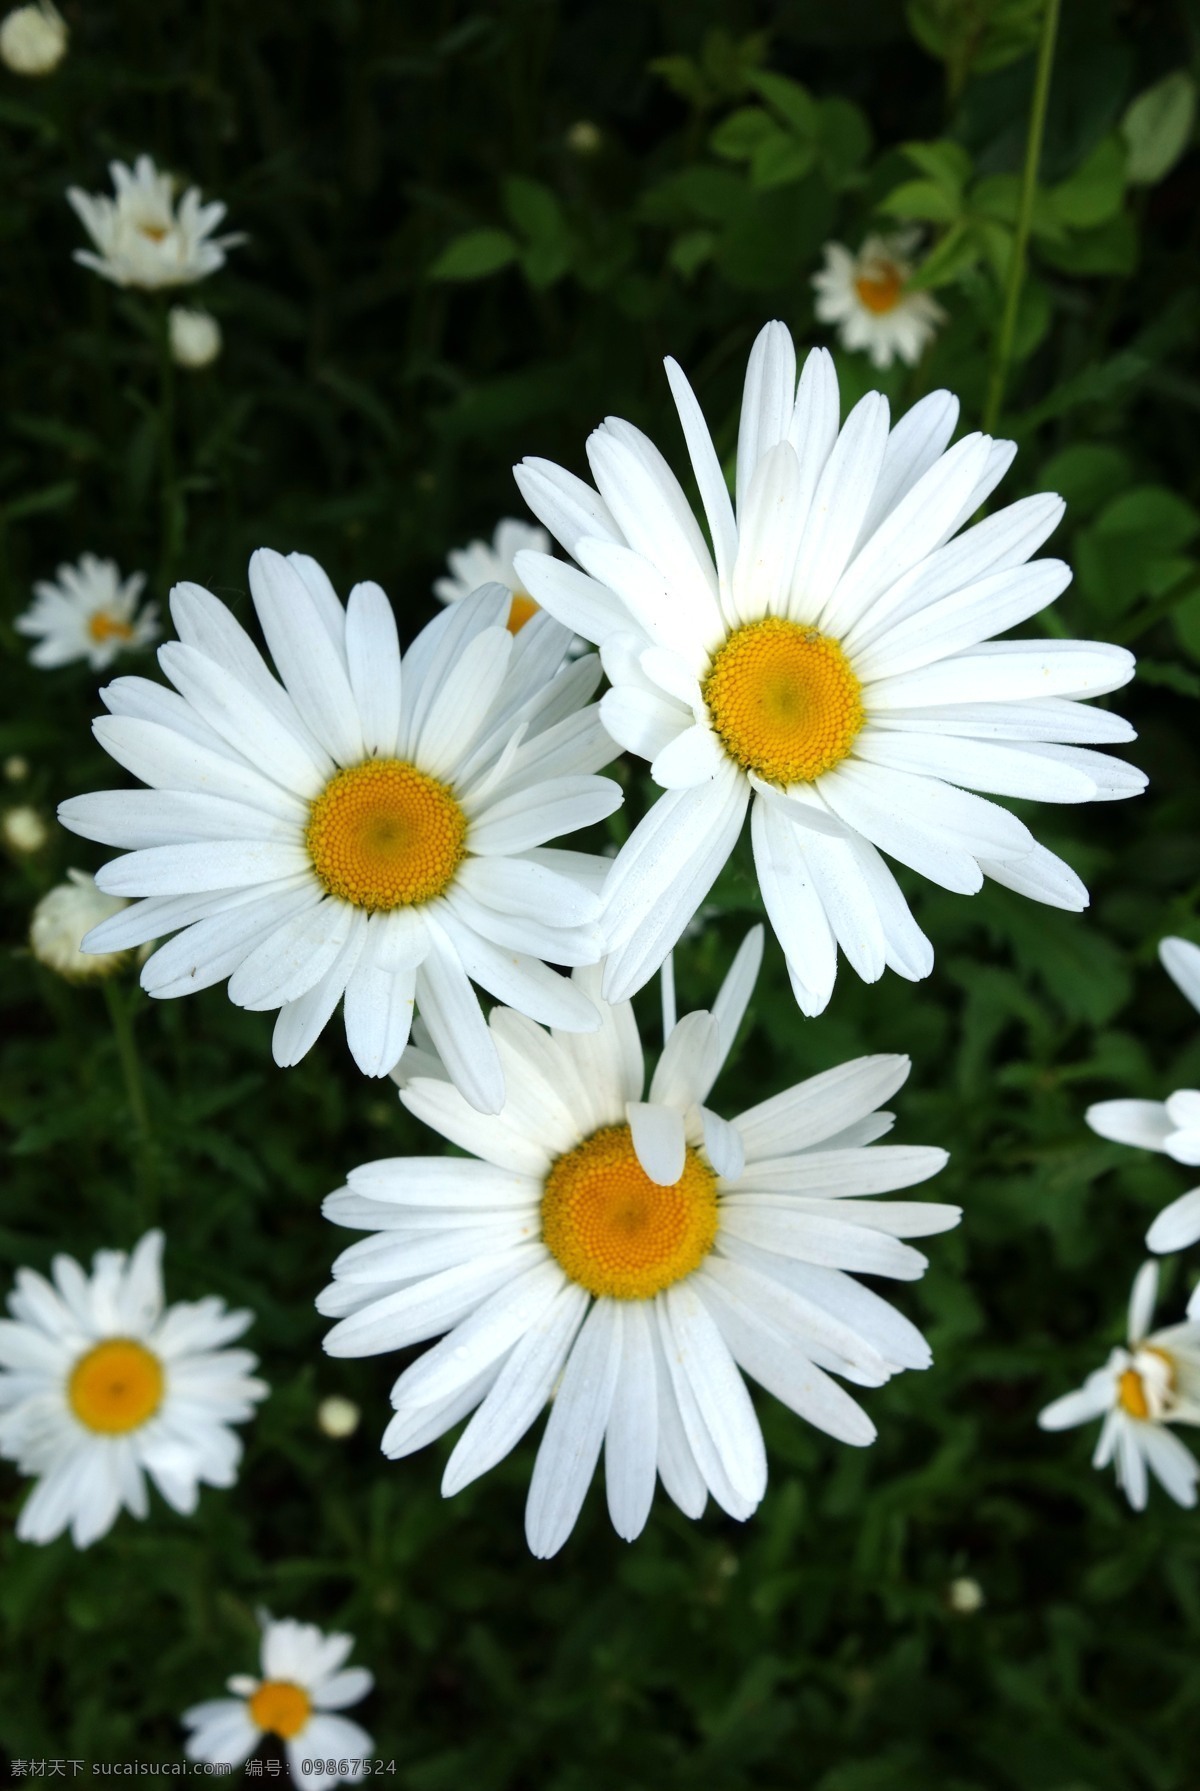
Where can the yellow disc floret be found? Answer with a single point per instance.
(384, 835)
(784, 701)
(280, 1707)
(520, 610)
(103, 627)
(1132, 1394)
(880, 289)
(615, 1231)
(116, 1386)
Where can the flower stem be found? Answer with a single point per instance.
(1002, 353)
(127, 1057)
(166, 445)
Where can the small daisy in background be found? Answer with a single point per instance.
(630, 1259)
(33, 39)
(142, 237)
(195, 337)
(827, 669)
(100, 1385)
(87, 611)
(23, 830)
(361, 832)
(491, 563)
(1171, 1126)
(1141, 1390)
(303, 1684)
(867, 296)
(62, 919)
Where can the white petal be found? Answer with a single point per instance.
(574, 1434)
(1144, 1123)
(451, 1011)
(658, 1141)
(767, 400)
(1177, 1226)
(298, 636)
(714, 493)
(631, 1440)
(1181, 961)
(373, 662)
(719, 1390)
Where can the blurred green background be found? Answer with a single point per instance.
(471, 234)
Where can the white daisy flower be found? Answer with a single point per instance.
(88, 611)
(1142, 1389)
(304, 1683)
(100, 1385)
(626, 1257)
(61, 922)
(1171, 1126)
(867, 296)
(491, 563)
(195, 337)
(321, 837)
(33, 39)
(832, 672)
(142, 238)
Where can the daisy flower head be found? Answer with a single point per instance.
(101, 1384)
(491, 563)
(61, 922)
(867, 297)
(87, 611)
(828, 667)
(1140, 1392)
(629, 1256)
(361, 826)
(142, 238)
(1171, 1126)
(302, 1686)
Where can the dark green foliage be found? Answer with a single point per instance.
(471, 234)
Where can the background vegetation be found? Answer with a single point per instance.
(471, 234)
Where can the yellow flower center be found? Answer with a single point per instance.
(1132, 1394)
(880, 290)
(280, 1707)
(520, 610)
(154, 232)
(784, 701)
(384, 835)
(116, 1387)
(615, 1231)
(103, 627)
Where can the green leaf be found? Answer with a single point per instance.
(845, 138)
(738, 136)
(793, 103)
(475, 255)
(1157, 127)
(34, 503)
(1111, 248)
(1093, 194)
(1131, 550)
(945, 162)
(689, 252)
(533, 209)
(923, 199)
(1087, 474)
(781, 159)
(957, 252)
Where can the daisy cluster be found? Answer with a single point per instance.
(334, 822)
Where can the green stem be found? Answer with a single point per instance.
(127, 1057)
(166, 426)
(1016, 267)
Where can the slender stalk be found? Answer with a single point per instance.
(1002, 353)
(668, 995)
(166, 442)
(127, 1057)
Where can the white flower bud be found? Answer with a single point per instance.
(24, 830)
(195, 337)
(16, 768)
(60, 921)
(33, 39)
(965, 1596)
(338, 1417)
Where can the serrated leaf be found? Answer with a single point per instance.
(943, 162)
